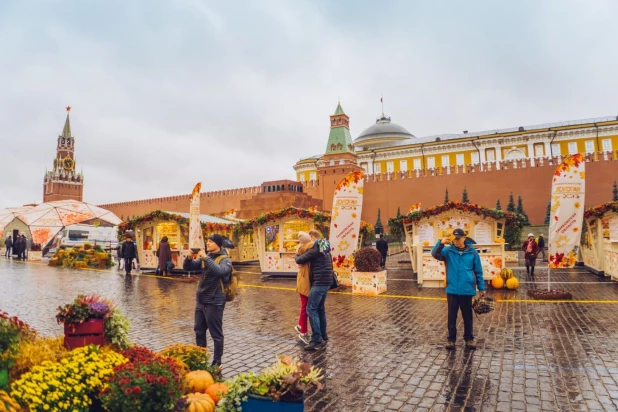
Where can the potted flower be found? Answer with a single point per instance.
(368, 278)
(85, 322)
(12, 331)
(148, 382)
(279, 388)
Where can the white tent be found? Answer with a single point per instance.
(47, 219)
(7, 215)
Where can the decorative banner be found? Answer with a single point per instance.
(345, 223)
(196, 238)
(567, 212)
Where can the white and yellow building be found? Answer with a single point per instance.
(386, 147)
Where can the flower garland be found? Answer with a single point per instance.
(207, 228)
(320, 218)
(599, 211)
(514, 219)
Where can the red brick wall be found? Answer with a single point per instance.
(388, 192)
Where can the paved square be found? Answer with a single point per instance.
(384, 353)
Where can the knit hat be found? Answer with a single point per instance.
(217, 238)
(304, 237)
(530, 234)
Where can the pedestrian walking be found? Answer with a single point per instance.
(464, 270)
(382, 246)
(531, 250)
(164, 254)
(303, 286)
(216, 270)
(541, 242)
(129, 253)
(9, 246)
(321, 277)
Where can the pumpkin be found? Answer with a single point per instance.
(497, 282)
(217, 391)
(425, 243)
(199, 402)
(512, 283)
(198, 381)
(506, 273)
(8, 404)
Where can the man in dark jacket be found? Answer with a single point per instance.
(382, 246)
(18, 245)
(321, 277)
(128, 252)
(541, 242)
(465, 273)
(216, 269)
(9, 246)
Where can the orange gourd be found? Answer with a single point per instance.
(199, 402)
(497, 282)
(512, 283)
(198, 381)
(217, 391)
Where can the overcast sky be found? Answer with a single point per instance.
(167, 93)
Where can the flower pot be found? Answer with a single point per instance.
(256, 403)
(91, 332)
(4, 379)
(369, 283)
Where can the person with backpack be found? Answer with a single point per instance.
(465, 273)
(128, 253)
(213, 290)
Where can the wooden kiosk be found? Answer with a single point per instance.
(276, 237)
(150, 228)
(600, 241)
(424, 228)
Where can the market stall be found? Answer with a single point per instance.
(424, 228)
(276, 236)
(150, 228)
(599, 246)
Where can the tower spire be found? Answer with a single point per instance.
(66, 130)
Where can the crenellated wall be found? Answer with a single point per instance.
(485, 183)
(216, 202)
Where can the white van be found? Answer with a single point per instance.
(77, 235)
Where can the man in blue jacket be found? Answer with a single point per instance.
(464, 274)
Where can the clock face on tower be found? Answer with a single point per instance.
(68, 163)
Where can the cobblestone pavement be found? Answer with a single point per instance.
(384, 353)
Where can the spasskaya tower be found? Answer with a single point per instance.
(63, 182)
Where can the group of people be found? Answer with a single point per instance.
(19, 247)
(315, 278)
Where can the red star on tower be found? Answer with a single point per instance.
(68, 108)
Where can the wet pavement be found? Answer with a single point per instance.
(384, 353)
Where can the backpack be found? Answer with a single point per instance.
(231, 290)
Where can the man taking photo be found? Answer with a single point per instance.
(465, 273)
(216, 268)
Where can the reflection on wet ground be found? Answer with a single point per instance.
(385, 353)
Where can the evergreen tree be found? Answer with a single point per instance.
(446, 196)
(548, 213)
(395, 227)
(520, 210)
(615, 192)
(498, 205)
(398, 211)
(378, 227)
(464, 196)
(511, 206)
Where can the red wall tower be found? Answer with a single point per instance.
(63, 182)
